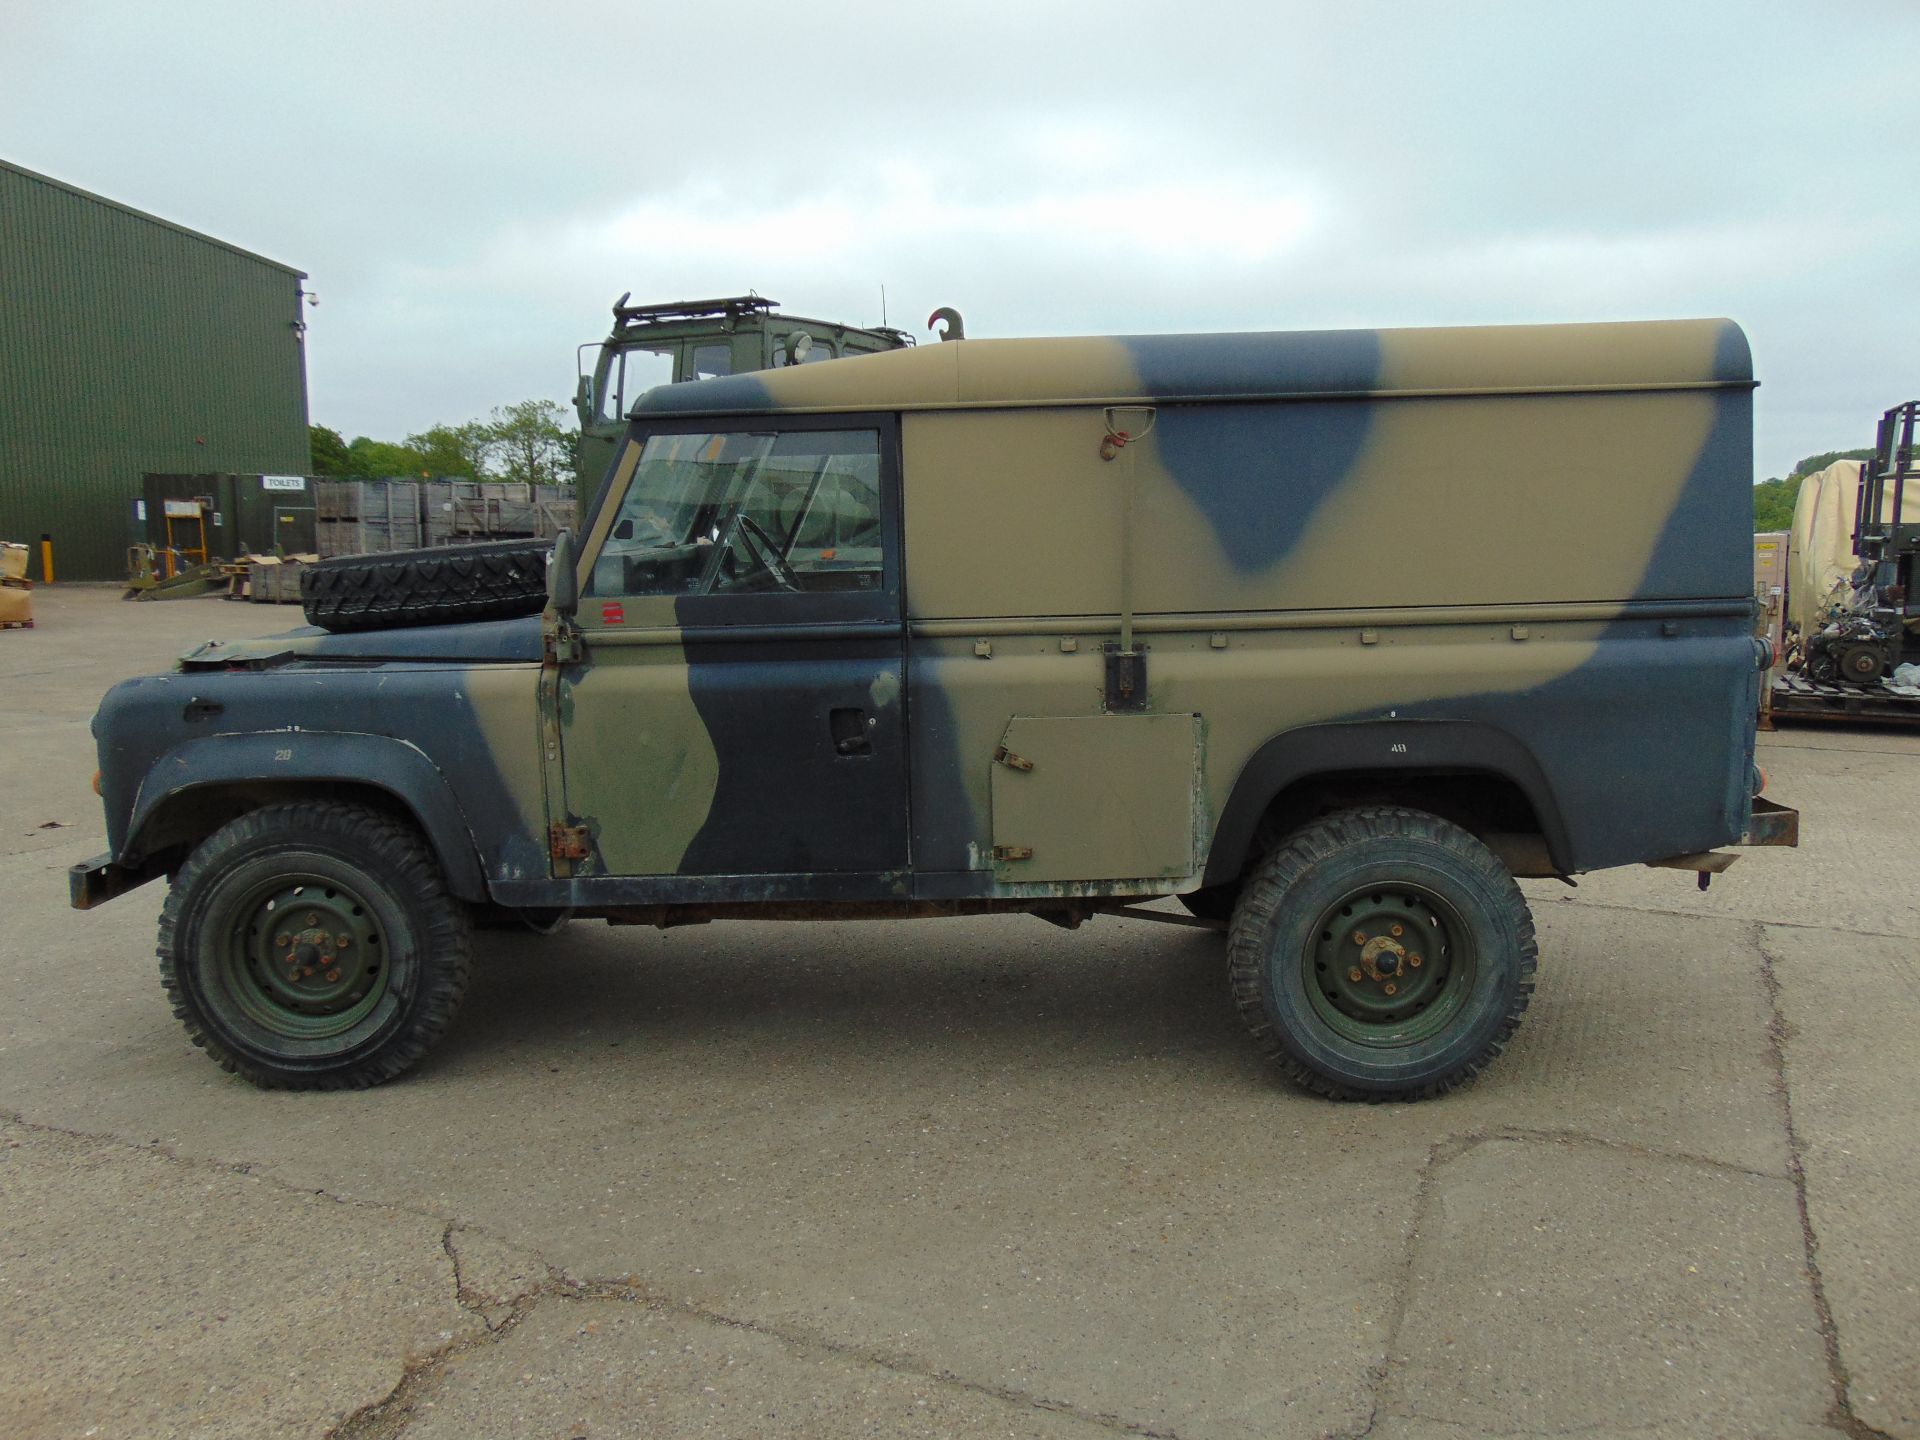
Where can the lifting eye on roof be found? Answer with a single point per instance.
(955, 329)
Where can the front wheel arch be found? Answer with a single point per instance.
(217, 778)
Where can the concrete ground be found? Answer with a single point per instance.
(976, 1178)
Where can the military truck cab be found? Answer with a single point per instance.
(1328, 635)
(681, 340)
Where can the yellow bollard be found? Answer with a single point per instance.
(46, 559)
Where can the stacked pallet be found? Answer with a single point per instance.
(266, 579)
(366, 517)
(16, 591)
(464, 511)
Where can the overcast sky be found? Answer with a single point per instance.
(470, 185)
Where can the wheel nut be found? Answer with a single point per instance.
(1359, 937)
(1396, 930)
(1392, 988)
(341, 941)
(284, 941)
(313, 918)
(1413, 959)
(333, 976)
(1354, 974)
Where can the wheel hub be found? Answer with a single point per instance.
(306, 956)
(1378, 965)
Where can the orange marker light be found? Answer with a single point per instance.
(96, 782)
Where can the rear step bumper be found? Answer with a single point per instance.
(1771, 824)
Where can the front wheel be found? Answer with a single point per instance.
(1382, 954)
(313, 947)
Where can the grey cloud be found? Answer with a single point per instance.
(471, 184)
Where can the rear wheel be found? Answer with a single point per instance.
(1382, 954)
(313, 946)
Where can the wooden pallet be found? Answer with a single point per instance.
(16, 624)
(1794, 697)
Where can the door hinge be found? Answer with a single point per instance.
(1012, 761)
(1126, 679)
(567, 842)
(563, 645)
(1013, 852)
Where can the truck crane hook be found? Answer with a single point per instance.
(955, 329)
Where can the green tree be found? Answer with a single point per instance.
(532, 444)
(456, 450)
(377, 459)
(326, 451)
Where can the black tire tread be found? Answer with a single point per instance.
(1266, 890)
(404, 857)
(443, 585)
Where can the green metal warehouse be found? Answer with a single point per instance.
(130, 344)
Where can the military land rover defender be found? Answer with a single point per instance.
(1329, 635)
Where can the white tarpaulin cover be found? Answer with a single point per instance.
(1822, 552)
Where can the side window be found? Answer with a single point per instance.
(623, 376)
(740, 512)
(641, 370)
(711, 360)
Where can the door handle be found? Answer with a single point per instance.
(849, 730)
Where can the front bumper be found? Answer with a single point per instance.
(96, 881)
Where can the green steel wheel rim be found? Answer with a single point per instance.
(301, 957)
(1389, 965)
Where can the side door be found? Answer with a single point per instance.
(737, 709)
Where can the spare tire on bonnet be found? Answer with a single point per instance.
(438, 586)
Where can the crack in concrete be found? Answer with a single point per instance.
(248, 1168)
(633, 1292)
(1625, 1147)
(388, 1418)
(1576, 902)
(1441, 1152)
(390, 1415)
(1607, 1428)
(420, 1376)
(1840, 1412)
(1444, 1152)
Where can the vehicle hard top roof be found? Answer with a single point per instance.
(1025, 373)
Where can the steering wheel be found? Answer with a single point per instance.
(767, 552)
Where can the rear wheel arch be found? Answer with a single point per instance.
(1475, 775)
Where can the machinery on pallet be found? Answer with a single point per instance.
(190, 529)
(1851, 635)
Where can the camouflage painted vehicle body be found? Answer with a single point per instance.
(1496, 575)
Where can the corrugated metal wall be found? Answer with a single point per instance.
(126, 345)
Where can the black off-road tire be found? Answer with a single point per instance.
(267, 895)
(1329, 895)
(492, 581)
